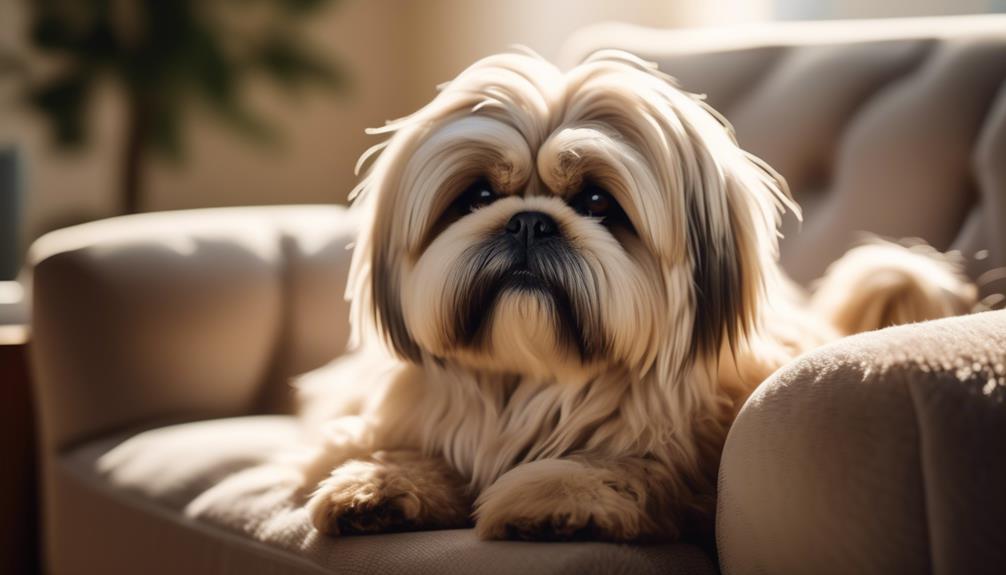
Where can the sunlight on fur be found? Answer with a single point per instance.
(565, 287)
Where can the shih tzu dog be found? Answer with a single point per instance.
(565, 287)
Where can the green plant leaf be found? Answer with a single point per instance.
(210, 73)
(63, 100)
(293, 64)
(167, 125)
(56, 25)
(239, 118)
(165, 54)
(302, 7)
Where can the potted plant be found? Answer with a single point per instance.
(162, 55)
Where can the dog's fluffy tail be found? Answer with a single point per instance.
(880, 284)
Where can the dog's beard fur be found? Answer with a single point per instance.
(604, 364)
(569, 307)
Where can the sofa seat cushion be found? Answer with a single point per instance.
(172, 465)
(221, 496)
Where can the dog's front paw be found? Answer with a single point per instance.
(389, 492)
(561, 500)
(362, 497)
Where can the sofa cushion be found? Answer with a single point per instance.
(879, 453)
(172, 465)
(201, 313)
(221, 496)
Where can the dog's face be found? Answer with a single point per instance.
(546, 224)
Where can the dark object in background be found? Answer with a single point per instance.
(164, 56)
(18, 475)
(10, 212)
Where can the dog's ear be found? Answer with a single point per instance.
(723, 204)
(374, 286)
(732, 219)
(385, 290)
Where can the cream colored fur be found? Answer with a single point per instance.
(681, 316)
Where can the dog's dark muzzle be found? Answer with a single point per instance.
(528, 254)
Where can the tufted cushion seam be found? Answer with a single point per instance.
(279, 356)
(897, 76)
(912, 392)
(743, 91)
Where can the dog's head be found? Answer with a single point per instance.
(534, 222)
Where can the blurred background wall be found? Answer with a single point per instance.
(396, 52)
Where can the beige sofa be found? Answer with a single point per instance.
(163, 344)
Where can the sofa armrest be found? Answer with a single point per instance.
(881, 453)
(183, 314)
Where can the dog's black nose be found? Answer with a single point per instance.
(529, 227)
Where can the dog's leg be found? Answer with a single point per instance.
(580, 498)
(390, 491)
(880, 284)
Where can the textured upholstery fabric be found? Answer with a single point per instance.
(881, 453)
(219, 496)
(206, 312)
(893, 127)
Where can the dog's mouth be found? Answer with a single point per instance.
(485, 291)
(497, 270)
(523, 279)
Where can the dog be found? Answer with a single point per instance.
(565, 287)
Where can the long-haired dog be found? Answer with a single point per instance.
(565, 287)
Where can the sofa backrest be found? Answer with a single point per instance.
(183, 315)
(892, 127)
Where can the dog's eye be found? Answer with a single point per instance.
(593, 201)
(475, 196)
